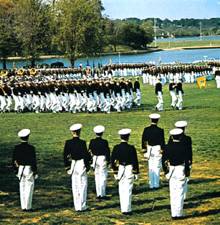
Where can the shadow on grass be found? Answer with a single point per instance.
(207, 195)
(202, 180)
(205, 213)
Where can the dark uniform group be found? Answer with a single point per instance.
(175, 158)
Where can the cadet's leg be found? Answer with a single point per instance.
(29, 189)
(83, 191)
(22, 193)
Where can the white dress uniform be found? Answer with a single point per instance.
(176, 167)
(101, 157)
(172, 91)
(217, 79)
(125, 155)
(159, 93)
(24, 161)
(152, 144)
(179, 92)
(76, 150)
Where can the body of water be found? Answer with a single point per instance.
(185, 56)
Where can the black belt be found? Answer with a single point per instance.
(124, 164)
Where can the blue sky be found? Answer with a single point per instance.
(171, 9)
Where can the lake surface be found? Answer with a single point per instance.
(185, 56)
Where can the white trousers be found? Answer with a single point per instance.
(3, 103)
(9, 103)
(154, 165)
(79, 184)
(179, 103)
(137, 100)
(126, 179)
(173, 98)
(159, 105)
(177, 183)
(26, 185)
(217, 81)
(101, 172)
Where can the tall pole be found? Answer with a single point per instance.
(200, 30)
(155, 32)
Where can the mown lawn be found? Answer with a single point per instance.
(52, 198)
(187, 43)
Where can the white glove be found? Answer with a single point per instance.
(116, 176)
(69, 172)
(36, 176)
(136, 177)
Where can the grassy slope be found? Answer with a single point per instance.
(182, 44)
(52, 197)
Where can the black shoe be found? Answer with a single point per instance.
(104, 198)
(29, 210)
(177, 218)
(98, 198)
(127, 213)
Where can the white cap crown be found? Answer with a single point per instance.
(124, 131)
(181, 123)
(99, 129)
(24, 133)
(176, 131)
(76, 126)
(154, 116)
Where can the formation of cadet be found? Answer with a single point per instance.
(175, 158)
(104, 95)
(187, 73)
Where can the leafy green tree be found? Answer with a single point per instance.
(79, 25)
(8, 42)
(32, 27)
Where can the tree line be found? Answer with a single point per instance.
(75, 28)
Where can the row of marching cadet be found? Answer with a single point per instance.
(175, 158)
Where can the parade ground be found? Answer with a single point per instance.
(52, 201)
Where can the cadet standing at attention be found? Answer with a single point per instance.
(77, 163)
(125, 165)
(100, 160)
(152, 144)
(176, 167)
(159, 93)
(188, 142)
(25, 166)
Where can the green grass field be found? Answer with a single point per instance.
(185, 44)
(53, 199)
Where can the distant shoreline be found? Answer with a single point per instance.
(132, 52)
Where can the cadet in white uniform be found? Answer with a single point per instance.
(159, 93)
(25, 165)
(101, 158)
(152, 144)
(176, 167)
(77, 163)
(188, 142)
(125, 165)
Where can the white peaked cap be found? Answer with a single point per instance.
(24, 133)
(124, 131)
(154, 116)
(99, 129)
(181, 123)
(176, 131)
(76, 126)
